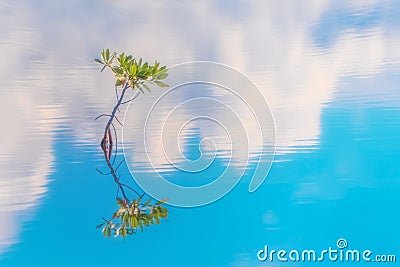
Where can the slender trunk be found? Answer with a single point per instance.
(106, 137)
(107, 142)
(114, 174)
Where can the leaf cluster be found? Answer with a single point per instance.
(131, 72)
(133, 216)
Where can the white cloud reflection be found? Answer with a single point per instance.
(273, 42)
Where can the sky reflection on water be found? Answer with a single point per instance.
(329, 70)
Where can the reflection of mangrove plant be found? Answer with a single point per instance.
(133, 215)
(134, 74)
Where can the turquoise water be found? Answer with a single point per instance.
(330, 74)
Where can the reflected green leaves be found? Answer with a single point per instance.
(132, 216)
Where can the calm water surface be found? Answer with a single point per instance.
(330, 71)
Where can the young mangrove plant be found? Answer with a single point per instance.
(130, 73)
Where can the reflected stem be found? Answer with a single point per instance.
(107, 144)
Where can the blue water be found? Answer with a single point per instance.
(330, 75)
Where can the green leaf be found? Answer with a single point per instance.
(161, 84)
(163, 211)
(133, 69)
(107, 54)
(163, 215)
(151, 219)
(134, 222)
(160, 75)
(108, 232)
(147, 202)
(142, 74)
(147, 88)
(118, 70)
(125, 218)
(120, 203)
(123, 232)
(104, 231)
(118, 82)
(141, 224)
(161, 201)
(98, 61)
(139, 87)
